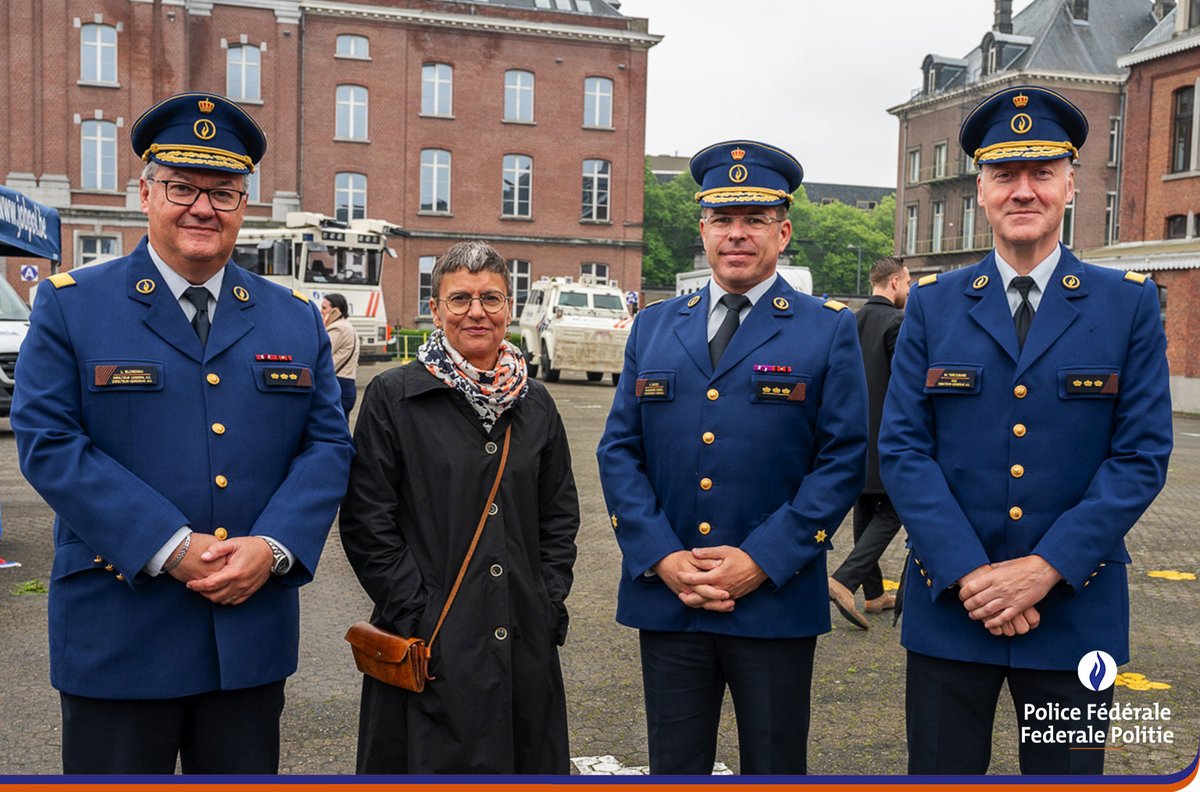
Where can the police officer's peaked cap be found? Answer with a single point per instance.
(745, 173)
(199, 130)
(1024, 122)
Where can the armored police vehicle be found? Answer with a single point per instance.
(575, 325)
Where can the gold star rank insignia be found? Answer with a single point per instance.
(821, 536)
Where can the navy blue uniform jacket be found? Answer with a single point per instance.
(766, 461)
(991, 454)
(116, 415)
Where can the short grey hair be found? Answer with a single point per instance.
(151, 172)
(473, 256)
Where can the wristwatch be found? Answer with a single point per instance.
(280, 565)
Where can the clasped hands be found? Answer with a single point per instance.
(712, 578)
(1003, 595)
(226, 572)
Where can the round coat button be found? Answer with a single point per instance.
(713, 394)
(490, 447)
(1015, 512)
(1019, 430)
(705, 484)
(221, 534)
(1017, 471)
(493, 509)
(500, 633)
(218, 428)
(221, 482)
(496, 570)
(708, 438)
(213, 379)
(1020, 391)
(704, 528)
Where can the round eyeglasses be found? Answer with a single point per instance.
(493, 302)
(223, 199)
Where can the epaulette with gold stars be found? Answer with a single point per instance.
(928, 279)
(299, 295)
(834, 305)
(1135, 277)
(61, 280)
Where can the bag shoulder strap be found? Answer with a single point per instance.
(462, 571)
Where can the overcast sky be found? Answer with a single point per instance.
(814, 77)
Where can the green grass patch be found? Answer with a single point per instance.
(31, 587)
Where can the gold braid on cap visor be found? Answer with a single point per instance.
(723, 195)
(1026, 149)
(180, 154)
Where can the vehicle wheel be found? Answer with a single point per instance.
(530, 366)
(594, 376)
(549, 373)
(616, 378)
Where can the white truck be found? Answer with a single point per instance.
(14, 324)
(575, 325)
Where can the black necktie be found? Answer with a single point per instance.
(1023, 318)
(198, 296)
(734, 303)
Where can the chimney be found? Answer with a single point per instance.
(1162, 8)
(1003, 23)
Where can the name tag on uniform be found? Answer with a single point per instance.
(132, 375)
(952, 379)
(652, 388)
(287, 376)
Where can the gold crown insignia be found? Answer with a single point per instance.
(207, 105)
(737, 154)
(1020, 100)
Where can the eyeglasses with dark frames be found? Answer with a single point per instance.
(222, 199)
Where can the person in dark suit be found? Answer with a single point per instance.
(875, 520)
(1026, 429)
(180, 415)
(735, 446)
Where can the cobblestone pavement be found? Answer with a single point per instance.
(858, 687)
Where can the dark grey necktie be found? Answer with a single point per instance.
(734, 303)
(198, 297)
(1023, 318)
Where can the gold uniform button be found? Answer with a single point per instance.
(1017, 471)
(705, 484)
(1015, 512)
(713, 394)
(218, 428)
(705, 529)
(708, 438)
(213, 379)
(1019, 430)
(120, 576)
(98, 560)
(221, 534)
(1020, 391)
(109, 568)
(221, 482)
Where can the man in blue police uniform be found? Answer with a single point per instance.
(735, 446)
(1026, 429)
(181, 417)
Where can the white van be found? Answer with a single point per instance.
(14, 324)
(576, 325)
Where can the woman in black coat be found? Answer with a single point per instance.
(429, 439)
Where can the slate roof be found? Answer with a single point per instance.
(589, 7)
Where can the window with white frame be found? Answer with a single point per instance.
(424, 283)
(99, 160)
(968, 222)
(243, 72)
(1114, 140)
(939, 161)
(1184, 100)
(437, 89)
(597, 102)
(252, 188)
(914, 165)
(351, 112)
(435, 180)
(521, 276)
(1110, 218)
(910, 230)
(93, 247)
(1068, 225)
(1177, 227)
(517, 192)
(350, 196)
(595, 270)
(352, 46)
(518, 96)
(597, 175)
(98, 54)
(938, 225)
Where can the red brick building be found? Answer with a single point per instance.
(1159, 230)
(521, 122)
(1070, 46)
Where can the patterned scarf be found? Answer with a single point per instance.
(489, 393)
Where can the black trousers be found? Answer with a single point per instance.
(685, 674)
(951, 706)
(875, 525)
(221, 732)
